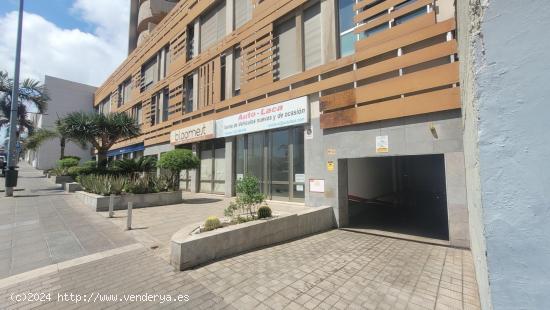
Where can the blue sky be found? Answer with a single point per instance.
(57, 11)
(79, 40)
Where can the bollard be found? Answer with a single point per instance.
(129, 223)
(112, 206)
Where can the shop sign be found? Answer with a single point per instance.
(316, 186)
(382, 144)
(195, 133)
(284, 114)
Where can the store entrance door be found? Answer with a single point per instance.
(276, 158)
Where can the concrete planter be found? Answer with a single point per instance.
(101, 203)
(62, 179)
(73, 187)
(189, 250)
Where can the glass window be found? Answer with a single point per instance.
(165, 102)
(243, 12)
(189, 93)
(312, 37)
(345, 15)
(212, 26)
(237, 72)
(347, 44)
(375, 30)
(287, 59)
(239, 157)
(411, 15)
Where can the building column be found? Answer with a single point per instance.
(194, 175)
(229, 166)
(229, 83)
(457, 210)
(328, 30)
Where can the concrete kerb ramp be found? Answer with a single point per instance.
(189, 250)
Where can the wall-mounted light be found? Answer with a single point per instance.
(434, 131)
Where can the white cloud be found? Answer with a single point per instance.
(69, 53)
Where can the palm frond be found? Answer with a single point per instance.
(40, 136)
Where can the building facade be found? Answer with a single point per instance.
(65, 97)
(352, 104)
(144, 17)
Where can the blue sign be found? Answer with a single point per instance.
(127, 149)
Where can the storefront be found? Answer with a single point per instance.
(269, 144)
(210, 177)
(128, 152)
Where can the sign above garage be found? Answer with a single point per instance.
(284, 114)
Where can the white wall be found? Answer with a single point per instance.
(504, 51)
(65, 97)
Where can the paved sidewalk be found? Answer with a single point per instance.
(42, 225)
(155, 226)
(333, 270)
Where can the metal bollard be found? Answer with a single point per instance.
(112, 206)
(129, 223)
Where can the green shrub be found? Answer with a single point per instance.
(264, 212)
(175, 161)
(90, 164)
(67, 162)
(103, 184)
(70, 156)
(248, 199)
(212, 223)
(135, 166)
(74, 172)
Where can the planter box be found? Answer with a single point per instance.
(188, 250)
(72, 187)
(101, 203)
(62, 179)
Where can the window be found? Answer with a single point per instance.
(237, 72)
(189, 93)
(346, 27)
(212, 26)
(243, 12)
(150, 73)
(223, 77)
(312, 37)
(190, 41)
(286, 54)
(137, 114)
(124, 90)
(159, 106)
(104, 106)
(404, 18)
(155, 69)
(290, 57)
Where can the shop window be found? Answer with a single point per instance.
(212, 26)
(212, 167)
(243, 12)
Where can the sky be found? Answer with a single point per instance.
(79, 40)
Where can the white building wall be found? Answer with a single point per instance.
(65, 97)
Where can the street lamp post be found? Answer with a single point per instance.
(11, 173)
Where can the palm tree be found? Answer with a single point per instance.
(101, 131)
(136, 166)
(32, 95)
(41, 135)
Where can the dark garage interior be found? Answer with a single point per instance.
(401, 194)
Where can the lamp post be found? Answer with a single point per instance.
(11, 173)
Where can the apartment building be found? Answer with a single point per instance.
(353, 104)
(144, 17)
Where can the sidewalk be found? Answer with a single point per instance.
(41, 225)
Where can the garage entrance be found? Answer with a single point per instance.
(401, 194)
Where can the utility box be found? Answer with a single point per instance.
(11, 177)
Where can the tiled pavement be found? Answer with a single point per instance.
(43, 226)
(155, 226)
(333, 270)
